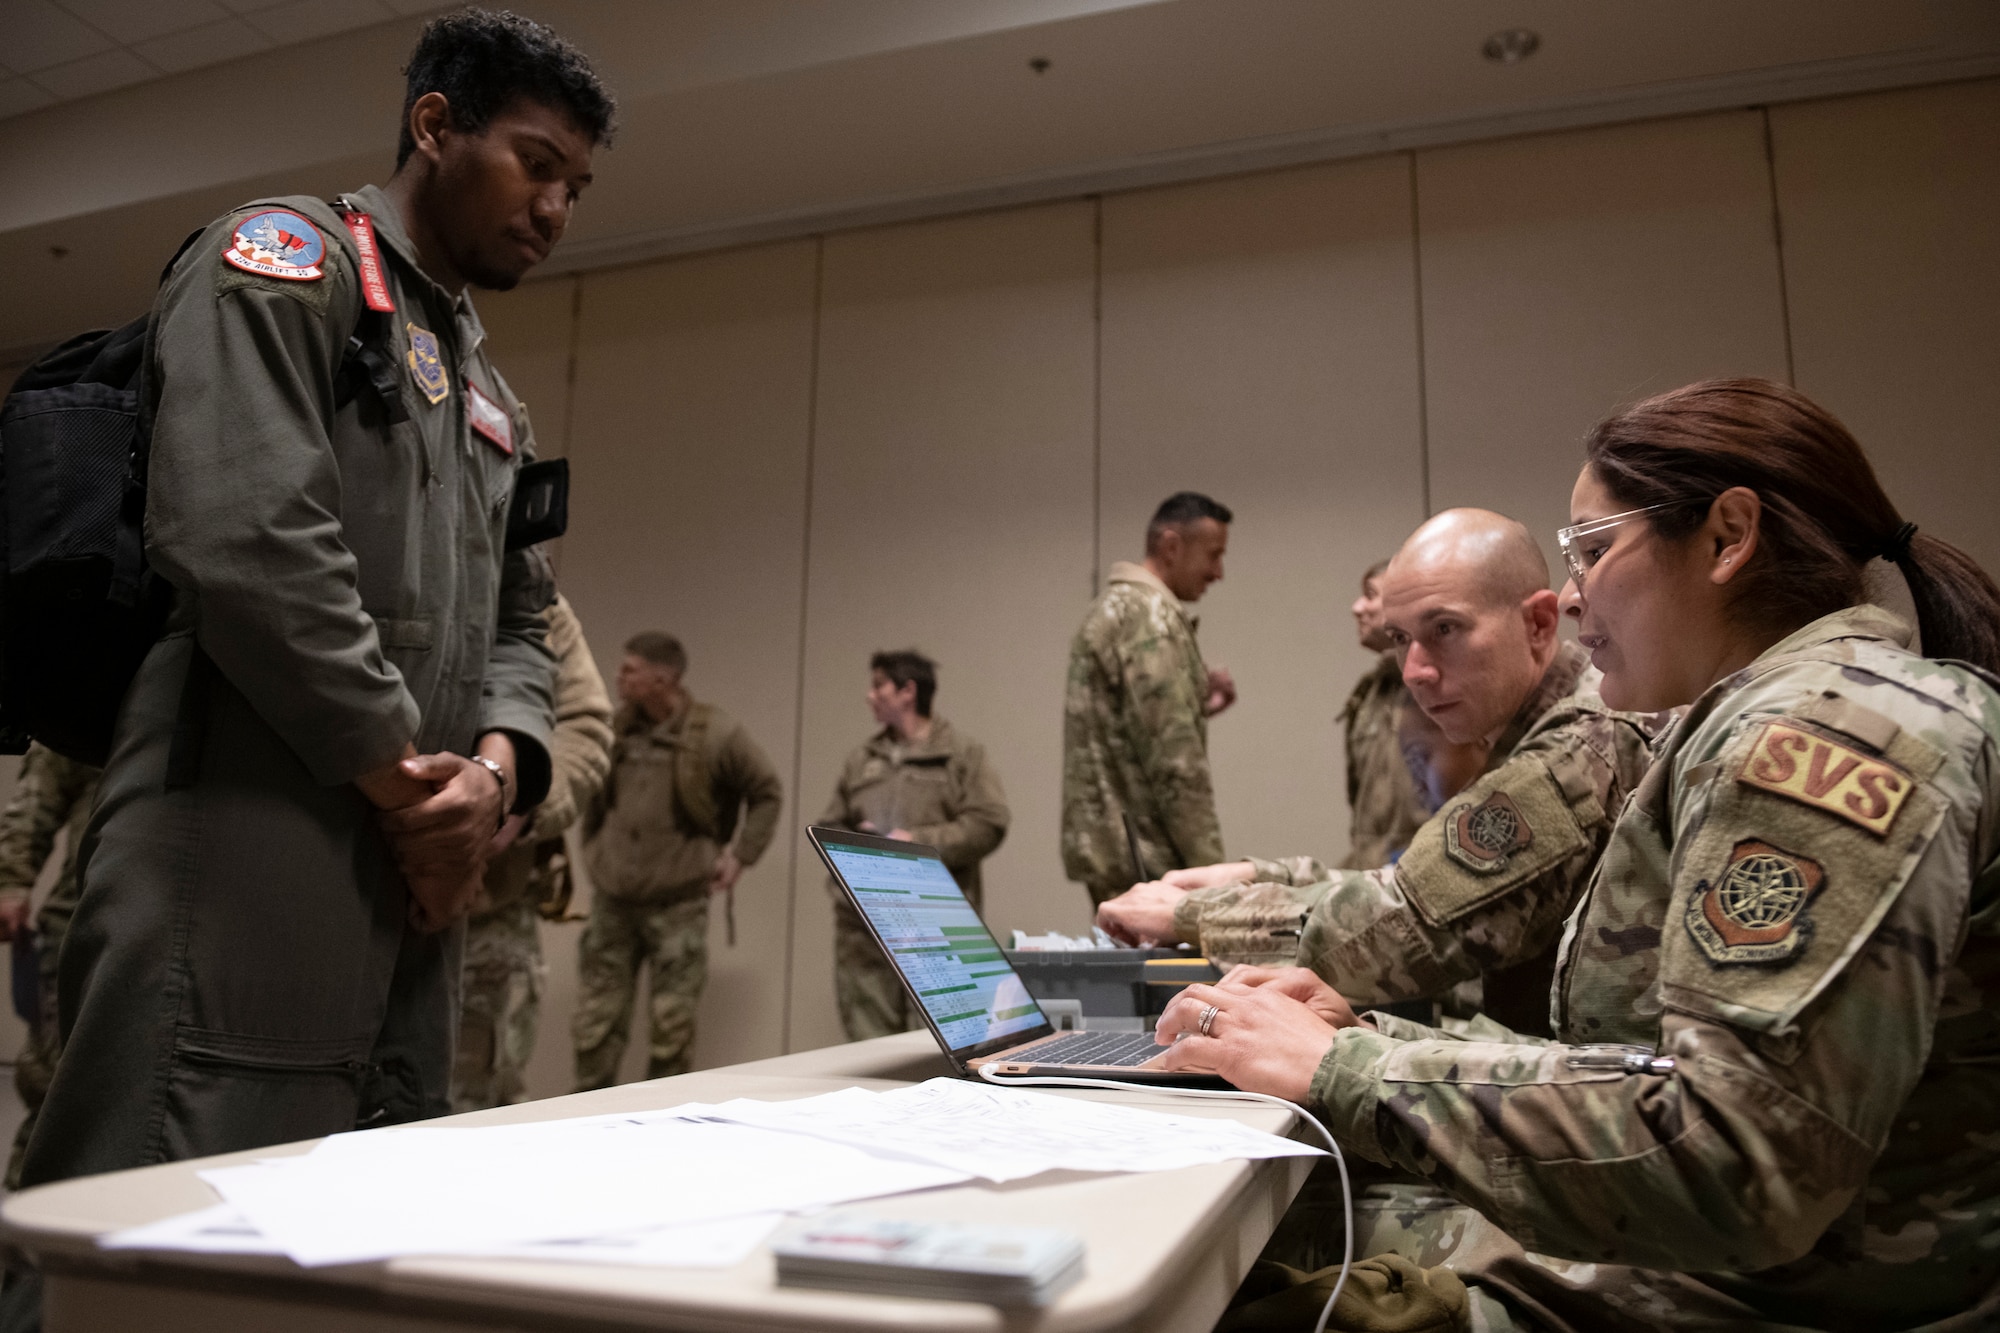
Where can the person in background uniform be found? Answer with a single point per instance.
(1135, 715)
(1488, 881)
(918, 779)
(1769, 1101)
(528, 874)
(1382, 799)
(53, 797)
(659, 846)
(352, 689)
(1439, 767)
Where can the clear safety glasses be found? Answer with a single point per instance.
(1580, 558)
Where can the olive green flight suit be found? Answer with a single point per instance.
(943, 793)
(242, 969)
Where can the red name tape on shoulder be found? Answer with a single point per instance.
(374, 287)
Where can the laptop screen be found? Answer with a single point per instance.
(951, 961)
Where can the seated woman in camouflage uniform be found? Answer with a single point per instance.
(1773, 1096)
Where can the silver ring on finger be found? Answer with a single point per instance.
(1208, 1019)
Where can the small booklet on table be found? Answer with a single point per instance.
(949, 1261)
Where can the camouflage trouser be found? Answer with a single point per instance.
(502, 1003)
(871, 997)
(1515, 1290)
(36, 1064)
(671, 939)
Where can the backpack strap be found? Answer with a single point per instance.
(368, 363)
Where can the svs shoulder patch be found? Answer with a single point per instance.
(1484, 837)
(1755, 910)
(1826, 775)
(277, 243)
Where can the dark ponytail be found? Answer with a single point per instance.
(1824, 517)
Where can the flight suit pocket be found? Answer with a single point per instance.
(227, 1092)
(414, 635)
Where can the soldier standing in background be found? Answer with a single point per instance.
(1382, 800)
(54, 796)
(682, 773)
(528, 877)
(1135, 717)
(918, 779)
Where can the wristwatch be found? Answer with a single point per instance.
(499, 776)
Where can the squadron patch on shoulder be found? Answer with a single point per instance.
(1483, 837)
(1755, 911)
(426, 365)
(277, 243)
(1826, 775)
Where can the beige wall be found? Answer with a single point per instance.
(939, 434)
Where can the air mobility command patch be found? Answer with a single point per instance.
(426, 365)
(277, 243)
(1485, 836)
(1755, 911)
(1826, 775)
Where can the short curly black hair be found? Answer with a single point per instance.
(484, 59)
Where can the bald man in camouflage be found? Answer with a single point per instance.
(1488, 881)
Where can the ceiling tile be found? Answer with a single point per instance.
(35, 34)
(18, 95)
(130, 21)
(249, 6)
(210, 44)
(303, 20)
(95, 74)
(418, 6)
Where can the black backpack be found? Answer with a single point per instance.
(79, 608)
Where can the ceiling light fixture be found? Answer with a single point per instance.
(1510, 46)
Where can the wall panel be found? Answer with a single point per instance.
(951, 512)
(1260, 345)
(1566, 274)
(1889, 205)
(688, 514)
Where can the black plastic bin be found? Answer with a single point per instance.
(1110, 983)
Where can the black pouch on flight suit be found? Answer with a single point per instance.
(540, 510)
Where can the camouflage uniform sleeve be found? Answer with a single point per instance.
(1803, 970)
(979, 820)
(34, 815)
(746, 771)
(1486, 884)
(1168, 742)
(580, 745)
(1299, 870)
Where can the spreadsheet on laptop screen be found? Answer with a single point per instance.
(950, 959)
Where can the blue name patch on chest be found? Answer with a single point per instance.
(427, 365)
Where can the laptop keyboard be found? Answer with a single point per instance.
(1095, 1048)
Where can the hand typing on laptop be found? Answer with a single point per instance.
(1264, 1030)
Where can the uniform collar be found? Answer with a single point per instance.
(1125, 571)
(889, 747)
(1863, 621)
(389, 229)
(632, 720)
(1558, 683)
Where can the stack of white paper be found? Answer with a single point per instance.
(642, 1188)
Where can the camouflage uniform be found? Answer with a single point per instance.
(54, 795)
(1771, 1101)
(666, 813)
(1135, 739)
(942, 792)
(503, 945)
(1385, 805)
(1485, 885)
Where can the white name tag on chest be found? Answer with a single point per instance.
(489, 419)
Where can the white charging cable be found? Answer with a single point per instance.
(1346, 1189)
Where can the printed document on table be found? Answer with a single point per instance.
(377, 1195)
(720, 1243)
(1007, 1133)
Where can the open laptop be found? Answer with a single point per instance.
(974, 1002)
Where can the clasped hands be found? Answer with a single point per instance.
(442, 815)
(1270, 1031)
